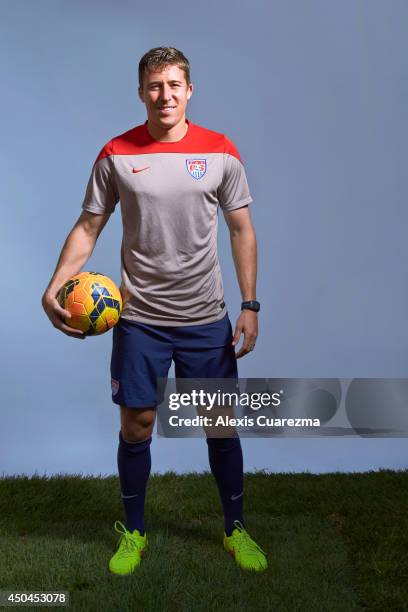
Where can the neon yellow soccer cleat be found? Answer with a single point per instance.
(131, 547)
(247, 554)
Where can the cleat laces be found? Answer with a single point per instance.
(128, 541)
(245, 543)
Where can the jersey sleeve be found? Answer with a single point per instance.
(101, 192)
(233, 191)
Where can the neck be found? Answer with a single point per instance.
(168, 134)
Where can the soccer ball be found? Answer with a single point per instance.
(94, 301)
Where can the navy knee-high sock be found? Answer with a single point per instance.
(226, 463)
(134, 463)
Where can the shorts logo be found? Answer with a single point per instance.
(114, 386)
(196, 167)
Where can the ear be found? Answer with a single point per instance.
(140, 92)
(190, 91)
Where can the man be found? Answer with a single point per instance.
(170, 176)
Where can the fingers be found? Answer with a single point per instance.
(249, 329)
(57, 315)
(243, 351)
(248, 345)
(62, 312)
(237, 334)
(71, 331)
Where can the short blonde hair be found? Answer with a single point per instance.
(161, 57)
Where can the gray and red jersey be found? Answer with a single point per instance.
(169, 194)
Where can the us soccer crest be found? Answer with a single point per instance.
(196, 167)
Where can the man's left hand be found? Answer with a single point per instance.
(247, 323)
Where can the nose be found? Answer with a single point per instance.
(166, 93)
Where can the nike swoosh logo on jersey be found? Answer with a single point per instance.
(234, 497)
(140, 169)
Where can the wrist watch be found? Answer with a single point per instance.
(251, 305)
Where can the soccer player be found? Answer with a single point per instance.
(170, 176)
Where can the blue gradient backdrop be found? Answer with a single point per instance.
(315, 96)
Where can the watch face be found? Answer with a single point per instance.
(251, 305)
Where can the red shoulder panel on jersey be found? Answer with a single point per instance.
(105, 151)
(230, 148)
(138, 141)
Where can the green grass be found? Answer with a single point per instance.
(334, 542)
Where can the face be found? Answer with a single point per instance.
(167, 88)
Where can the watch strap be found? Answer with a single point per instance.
(251, 305)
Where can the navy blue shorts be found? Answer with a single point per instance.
(142, 353)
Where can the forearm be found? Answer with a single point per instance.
(244, 252)
(76, 251)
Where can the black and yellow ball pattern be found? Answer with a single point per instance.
(94, 301)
